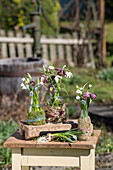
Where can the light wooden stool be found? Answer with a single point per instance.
(27, 153)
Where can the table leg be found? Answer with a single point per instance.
(16, 159)
(88, 162)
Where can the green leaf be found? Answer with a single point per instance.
(44, 68)
(29, 76)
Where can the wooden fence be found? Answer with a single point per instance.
(67, 49)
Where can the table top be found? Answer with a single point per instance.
(18, 141)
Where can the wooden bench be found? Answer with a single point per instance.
(27, 153)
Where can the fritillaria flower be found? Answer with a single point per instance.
(93, 96)
(61, 72)
(32, 83)
(44, 79)
(86, 94)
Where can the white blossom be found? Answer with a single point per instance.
(63, 66)
(23, 79)
(69, 74)
(22, 85)
(79, 92)
(51, 67)
(77, 86)
(81, 88)
(40, 84)
(31, 93)
(90, 85)
(77, 97)
(42, 78)
(57, 78)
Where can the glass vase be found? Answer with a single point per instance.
(35, 115)
(84, 114)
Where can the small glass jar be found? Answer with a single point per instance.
(35, 115)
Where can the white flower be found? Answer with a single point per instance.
(81, 88)
(77, 97)
(63, 66)
(57, 78)
(22, 85)
(90, 85)
(79, 92)
(69, 74)
(51, 67)
(42, 78)
(77, 86)
(40, 84)
(23, 79)
(31, 93)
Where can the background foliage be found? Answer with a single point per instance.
(15, 13)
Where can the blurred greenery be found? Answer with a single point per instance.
(82, 76)
(6, 130)
(106, 74)
(18, 12)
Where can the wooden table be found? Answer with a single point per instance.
(27, 153)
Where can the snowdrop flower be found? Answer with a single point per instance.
(77, 97)
(79, 92)
(81, 88)
(22, 85)
(23, 79)
(42, 78)
(90, 85)
(57, 78)
(51, 67)
(63, 66)
(31, 93)
(69, 74)
(77, 86)
(40, 84)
